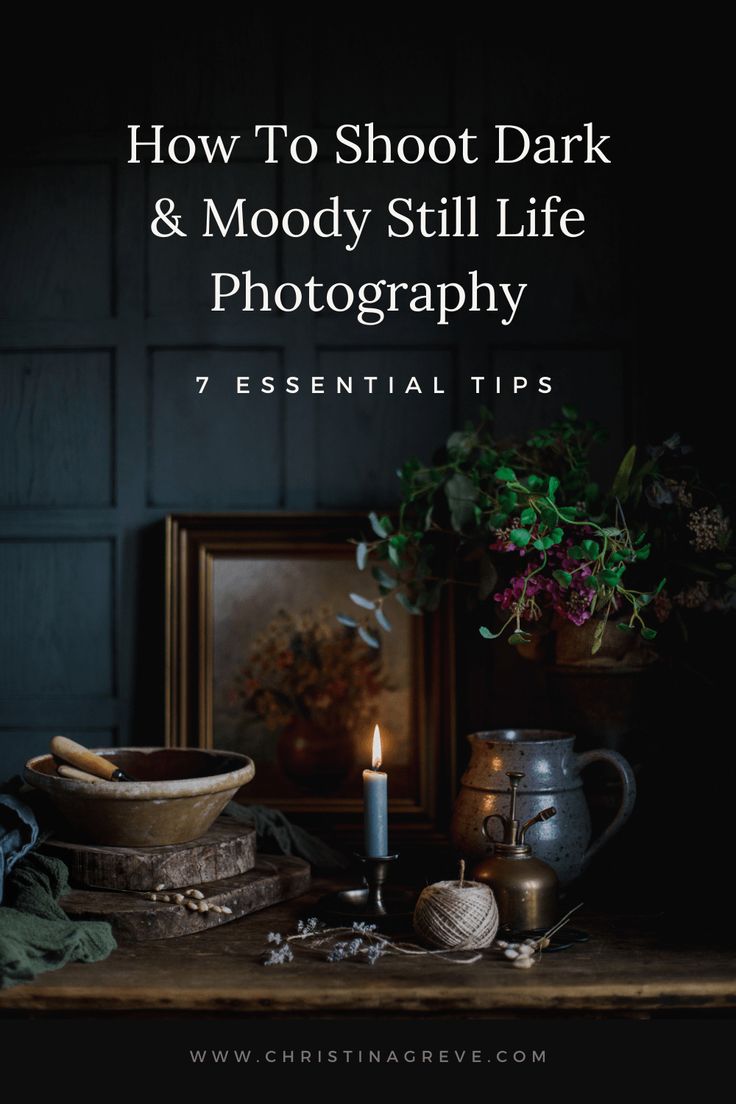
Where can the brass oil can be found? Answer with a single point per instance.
(526, 889)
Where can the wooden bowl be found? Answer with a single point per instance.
(180, 793)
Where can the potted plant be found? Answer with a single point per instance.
(546, 550)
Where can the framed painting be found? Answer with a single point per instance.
(257, 662)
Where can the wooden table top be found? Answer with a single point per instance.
(624, 970)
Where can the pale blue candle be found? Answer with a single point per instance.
(375, 797)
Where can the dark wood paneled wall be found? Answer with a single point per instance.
(103, 327)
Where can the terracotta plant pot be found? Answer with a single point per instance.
(573, 645)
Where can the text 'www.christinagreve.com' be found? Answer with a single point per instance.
(361, 1056)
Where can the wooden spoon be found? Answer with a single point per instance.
(86, 760)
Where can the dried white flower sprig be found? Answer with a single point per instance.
(364, 944)
(192, 899)
(524, 955)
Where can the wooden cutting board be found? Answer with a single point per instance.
(134, 917)
(229, 848)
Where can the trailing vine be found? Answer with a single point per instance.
(525, 526)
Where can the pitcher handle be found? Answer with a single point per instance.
(628, 794)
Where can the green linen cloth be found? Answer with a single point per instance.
(35, 934)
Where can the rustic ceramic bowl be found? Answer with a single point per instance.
(179, 792)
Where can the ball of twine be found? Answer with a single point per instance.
(458, 915)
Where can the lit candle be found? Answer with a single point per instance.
(375, 796)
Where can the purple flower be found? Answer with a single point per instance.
(532, 589)
(519, 595)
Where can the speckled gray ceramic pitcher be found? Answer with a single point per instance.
(551, 777)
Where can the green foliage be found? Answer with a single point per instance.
(622, 479)
(364, 603)
(368, 638)
(483, 508)
(381, 526)
(383, 620)
(462, 495)
(406, 602)
(611, 578)
(394, 556)
(487, 577)
(598, 636)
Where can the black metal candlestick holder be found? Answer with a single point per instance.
(373, 902)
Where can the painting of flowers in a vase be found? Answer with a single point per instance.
(300, 692)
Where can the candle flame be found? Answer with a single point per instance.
(376, 748)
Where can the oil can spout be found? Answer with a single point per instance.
(544, 814)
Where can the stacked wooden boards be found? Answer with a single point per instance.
(113, 883)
